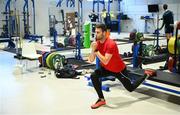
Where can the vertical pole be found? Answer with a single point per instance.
(98, 10)
(81, 10)
(175, 52)
(34, 16)
(67, 1)
(119, 17)
(59, 3)
(109, 5)
(7, 12)
(157, 45)
(78, 38)
(27, 27)
(24, 15)
(93, 5)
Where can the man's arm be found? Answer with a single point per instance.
(161, 26)
(163, 23)
(92, 54)
(104, 59)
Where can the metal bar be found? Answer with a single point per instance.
(161, 88)
(59, 3)
(34, 16)
(7, 10)
(119, 17)
(24, 14)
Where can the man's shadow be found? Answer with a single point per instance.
(121, 104)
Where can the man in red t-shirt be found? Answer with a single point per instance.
(111, 64)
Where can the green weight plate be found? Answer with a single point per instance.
(48, 59)
(51, 60)
(45, 55)
(51, 64)
(56, 58)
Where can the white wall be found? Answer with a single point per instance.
(43, 7)
(137, 8)
(134, 9)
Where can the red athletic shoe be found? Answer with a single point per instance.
(98, 104)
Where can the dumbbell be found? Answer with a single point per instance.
(125, 54)
(129, 54)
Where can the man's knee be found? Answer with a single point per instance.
(96, 74)
(93, 75)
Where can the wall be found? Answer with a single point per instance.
(137, 8)
(134, 9)
(46, 7)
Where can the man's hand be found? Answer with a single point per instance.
(92, 54)
(94, 46)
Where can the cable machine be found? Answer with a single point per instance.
(27, 33)
(9, 27)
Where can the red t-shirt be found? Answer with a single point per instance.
(115, 63)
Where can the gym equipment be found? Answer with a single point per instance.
(10, 24)
(78, 36)
(148, 50)
(139, 37)
(69, 26)
(26, 17)
(53, 22)
(98, 2)
(108, 16)
(125, 54)
(67, 71)
(171, 45)
(58, 58)
(178, 25)
(136, 60)
(49, 59)
(154, 8)
(170, 64)
(44, 57)
(135, 36)
(86, 29)
(130, 54)
(145, 54)
(146, 19)
(72, 40)
(176, 67)
(132, 36)
(68, 2)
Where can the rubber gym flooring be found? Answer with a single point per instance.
(28, 93)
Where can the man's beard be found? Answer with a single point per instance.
(100, 37)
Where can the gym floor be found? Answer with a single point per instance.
(32, 94)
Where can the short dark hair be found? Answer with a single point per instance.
(102, 26)
(165, 6)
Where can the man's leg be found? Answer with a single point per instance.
(128, 82)
(95, 77)
(125, 80)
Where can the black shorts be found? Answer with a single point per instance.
(169, 29)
